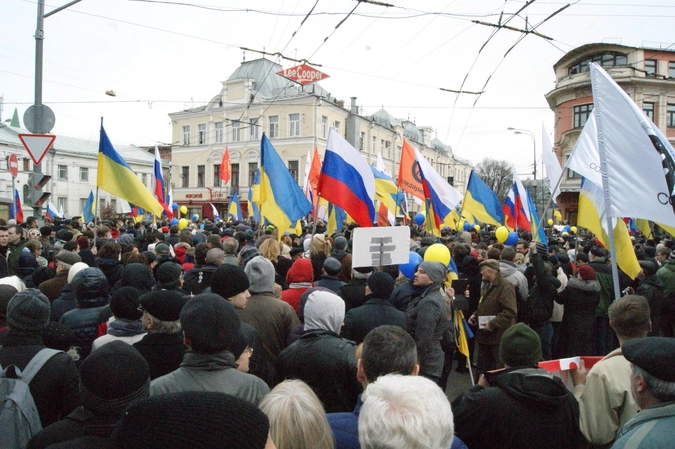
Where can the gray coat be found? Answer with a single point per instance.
(426, 321)
(211, 372)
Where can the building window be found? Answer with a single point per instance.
(293, 168)
(387, 146)
(293, 125)
(234, 177)
(217, 182)
(604, 59)
(373, 147)
(362, 141)
(648, 108)
(671, 69)
(219, 132)
(274, 126)
(84, 174)
(236, 131)
(255, 131)
(186, 135)
(83, 201)
(581, 114)
(252, 167)
(201, 133)
(201, 175)
(382, 147)
(144, 179)
(26, 164)
(670, 116)
(324, 126)
(185, 176)
(63, 172)
(113, 204)
(337, 124)
(650, 67)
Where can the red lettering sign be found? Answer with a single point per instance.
(303, 74)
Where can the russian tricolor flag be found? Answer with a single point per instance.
(52, 212)
(347, 181)
(16, 210)
(516, 207)
(159, 185)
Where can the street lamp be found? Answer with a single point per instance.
(534, 155)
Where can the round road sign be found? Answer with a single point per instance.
(13, 164)
(36, 114)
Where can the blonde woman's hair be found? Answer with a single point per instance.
(319, 246)
(270, 249)
(297, 418)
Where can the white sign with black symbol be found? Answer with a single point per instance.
(374, 247)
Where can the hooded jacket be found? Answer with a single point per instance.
(512, 274)
(525, 408)
(299, 279)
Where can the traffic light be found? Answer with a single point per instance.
(36, 181)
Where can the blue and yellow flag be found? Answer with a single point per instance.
(254, 197)
(89, 210)
(386, 191)
(481, 202)
(282, 201)
(336, 218)
(116, 177)
(534, 219)
(234, 208)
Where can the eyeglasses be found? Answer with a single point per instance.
(33, 234)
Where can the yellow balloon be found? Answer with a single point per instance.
(183, 209)
(437, 252)
(451, 277)
(565, 234)
(502, 234)
(573, 229)
(550, 222)
(477, 228)
(182, 223)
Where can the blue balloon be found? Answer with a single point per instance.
(174, 221)
(566, 228)
(194, 217)
(419, 219)
(408, 269)
(467, 226)
(512, 239)
(174, 206)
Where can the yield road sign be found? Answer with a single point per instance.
(37, 145)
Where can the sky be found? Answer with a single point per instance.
(165, 56)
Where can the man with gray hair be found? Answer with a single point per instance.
(427, 318)
(52, 288)
(231, 246)
(653, 387)
(405, 412)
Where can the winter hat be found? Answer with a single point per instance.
(206, 420)
(139, 276)
(247, 253)
(211, 323)
(168, 274)
(112, 377)
(64, 235)
(490, 263)
(520, 347)
(6, 294)
(381, 284)
(124, 304)
(76, 268)
(340, 243)
(165, 305)
(656, 355)
(435, 270)
(542, 249)
(260, 272)
(28, 310)
(587, 273)
(648, 267)
(229, 281)
(125, 239)
(58, 336)
(332, 266)
(27, 260)
(14, 281)
(162, 249)
(324, 310)
(68, 257)
(300, 271)
(553, 260)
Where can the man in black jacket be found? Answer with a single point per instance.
(520, 405)
(55, 387)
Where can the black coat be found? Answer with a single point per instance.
(64, 303)
(524, 409)
(79, 423)
(163, 352)
(56, 387)
(329, 282)
(111, 268)
(354, 293)
(198, 279)
(577, 331)
(326, 363)
(543, 291)
(375, 312)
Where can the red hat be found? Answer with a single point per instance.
(587, 273)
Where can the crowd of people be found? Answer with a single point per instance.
(131, 334)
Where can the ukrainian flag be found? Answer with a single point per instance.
(89, 210)
(336, 217)
(386, 190)
(282, 201)
(116, 177)
(481, 202)
(254, 197)
(234, 209)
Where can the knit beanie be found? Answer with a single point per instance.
(124, 304)
(14, 281)
(520, 347)
(587, 273)
(435, 270)
(228, 281)
(79, 266)
(381, 284)
(542, 250)
(332, 266)
(211, 323)
(247, 253)
(112, 377)
(260, 272)
(58, 336)
(648, 267)
(206, 420)
(340, 243)
(28, 310)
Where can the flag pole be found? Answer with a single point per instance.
(95, 214)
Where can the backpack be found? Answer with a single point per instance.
(19, 418)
